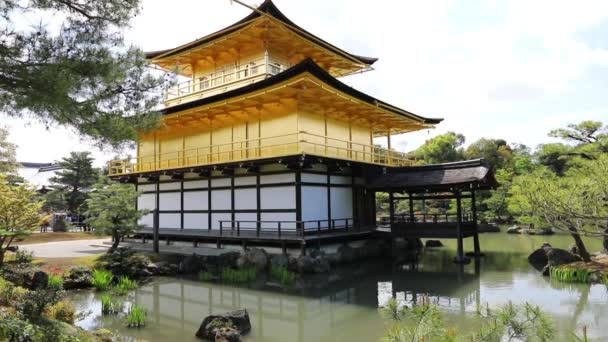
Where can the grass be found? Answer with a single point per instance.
(110, 305)
(57, 236)
(205, 276)
(136, 317)
(125, 285)
(239, 276)
(102, 279)
(283, 275)
(55, 281)
(570, 274)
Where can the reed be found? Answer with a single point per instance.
(283, 275)
(570, 274)
(110, 305)
(205, 276)
(136, 318)
(243, 275)
(102, 279)
(55, 281)
(125, 285)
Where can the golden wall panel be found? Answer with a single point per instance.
(278, 135)
(338, 135)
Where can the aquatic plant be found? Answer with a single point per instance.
(205, 276)
(102, 279)
(110, 305)
(283, 275)
(125, 285)
(570, 274)
(136, 317)
(243, 275)
(55, 281)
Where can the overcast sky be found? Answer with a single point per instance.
(511, 69)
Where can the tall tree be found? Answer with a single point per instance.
(496, 151)
(70, 184)
(8, 153)
(442, 148)
(79, 74)
(20, 213)
(112, 211)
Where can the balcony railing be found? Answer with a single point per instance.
(224, 80)
(276, 146)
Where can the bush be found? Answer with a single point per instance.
(110, 305)
(60, 225)
(6, 291)
(24, 257)
(63, 311)
(125, 285)
(136, 317)
(125, 262)
(33, 303)
(15, 329)
(55, 281)
(283, 275)
(243, 275)
(102, 279)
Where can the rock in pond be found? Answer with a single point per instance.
(80, 277)
(237, 320)
(227, 335)
(546, 257)
(256, 257)
(433, 243)
(514, 230)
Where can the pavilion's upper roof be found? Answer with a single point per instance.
(267, 23)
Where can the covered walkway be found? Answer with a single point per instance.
(449, 181)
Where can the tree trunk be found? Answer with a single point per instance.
(580, 245)
(2, 256)
(115, 242)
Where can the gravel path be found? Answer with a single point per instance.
(67, 249)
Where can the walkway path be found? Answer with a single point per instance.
(67, 249)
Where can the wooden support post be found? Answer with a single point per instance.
(391, 209)
(284, 247)
(460, 258)
(388, 142)
(156, 220)
(411, 200)
(477, 252)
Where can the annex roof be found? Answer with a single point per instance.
(469, 174)
(263, 18)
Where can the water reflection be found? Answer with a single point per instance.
(343, 306)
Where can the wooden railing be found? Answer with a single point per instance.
(252, 228)
(426, 218)
(275, 146)
(223, 80)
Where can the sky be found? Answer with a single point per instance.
(511, 69)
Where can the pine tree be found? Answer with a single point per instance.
(8, 153)
(71, 184)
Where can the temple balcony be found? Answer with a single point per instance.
(260, 148)
(202, 86)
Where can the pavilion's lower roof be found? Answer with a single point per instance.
(469, 174)
(313, 89)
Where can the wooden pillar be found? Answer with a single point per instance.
(460, 253)
(388, 142)
(475, 230)
(156, 219)
(411, 200)
(391, 209)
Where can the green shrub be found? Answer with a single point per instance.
(570, 274)
(63, 311)
(32, 304)
(110, 305)
(60, 225)
(24, 257)
(14, 329)
(283, 275)
(125, 285)
(102, 279)
(136, 317)
(6, 291)
(55, 281)
(239, 276)
(205, 276)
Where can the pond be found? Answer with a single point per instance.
(343, 306)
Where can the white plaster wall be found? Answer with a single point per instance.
(341, 203)
(169, 220)
(197, 184)
(219, 182)
(169, 201)
(314, 178)
(147, 220)
(314, 205)
(196, 200)
(221, 200)
(196, 221)
(245, 199)
(249, 180)
(278, 178)
(215, 218)
(169, 186)
(282, 197)
(146, 201)
(146, 187)
(340, 179)
(247, 217)
(279, 217)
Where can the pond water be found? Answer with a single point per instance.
(343, 306)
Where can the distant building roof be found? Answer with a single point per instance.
(38, 174)
(469, 174)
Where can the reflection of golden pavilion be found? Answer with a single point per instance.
(261, 140)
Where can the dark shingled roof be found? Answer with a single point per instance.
(475, 174)
(269, 8)
(308, 65)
